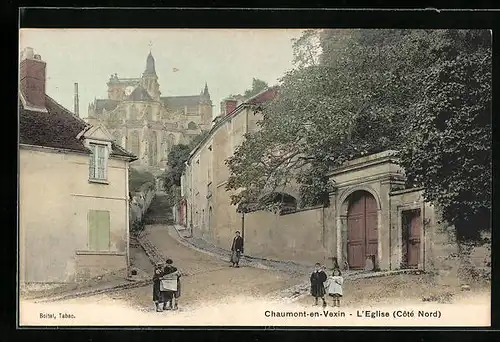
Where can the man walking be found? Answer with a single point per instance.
(236, 250)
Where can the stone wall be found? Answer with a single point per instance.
(299, 236)
(140, 202)
(90, 265)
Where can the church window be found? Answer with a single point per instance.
(98, 162)
(149, 113)
(134, 143)
(133, 113)
(192, 125)
(153, 150)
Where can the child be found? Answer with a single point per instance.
(170, 273)
(335, 282)
(318, 277)
(157, 295)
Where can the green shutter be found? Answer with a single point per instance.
(99, 230)
(103, 231)
(93, 228)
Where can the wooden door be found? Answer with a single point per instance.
(413, 243)
(362, 236)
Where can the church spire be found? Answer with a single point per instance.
(205, 91)
(150, 62)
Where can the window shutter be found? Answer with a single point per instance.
(92, 166)
(103, 231)
(99, 230)
(93, 228)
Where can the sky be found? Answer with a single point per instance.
(226, 59)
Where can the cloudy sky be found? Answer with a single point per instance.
(226, 59)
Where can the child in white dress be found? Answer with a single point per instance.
(335, 282)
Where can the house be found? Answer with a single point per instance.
(73, 189)
(205, 206)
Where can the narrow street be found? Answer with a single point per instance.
(206, 279)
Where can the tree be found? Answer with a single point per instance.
(425, 93)
(138, 178)
(176, 160)
(257, 87)
(449, 150)
(323, 115)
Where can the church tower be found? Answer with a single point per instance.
(206, 108)
(150, 79)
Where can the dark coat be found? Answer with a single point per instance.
(169, 269)
(237, 244)
(167, 295)
(157, 296)
(317, 283)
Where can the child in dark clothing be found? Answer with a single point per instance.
(318, 277)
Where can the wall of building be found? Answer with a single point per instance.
(55, 198)
(299, 236)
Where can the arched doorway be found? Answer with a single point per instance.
(362, 232)
(287, 203)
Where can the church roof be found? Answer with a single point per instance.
(107, 104)
(58, 128)
(139, 94)
(180, 101)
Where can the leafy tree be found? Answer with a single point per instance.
(177, 156)
(257, 87)
(425, 93)
(322, 116)
(449, 150)
(176, 160)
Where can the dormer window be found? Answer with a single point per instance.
(98, 162)
(99, 141)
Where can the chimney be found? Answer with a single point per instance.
(32, 78)
(77, 103)
(230, 105)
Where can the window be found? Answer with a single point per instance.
(98, 162)
(192, 125)
(99, 228)
(134, 143)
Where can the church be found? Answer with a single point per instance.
(146, 123)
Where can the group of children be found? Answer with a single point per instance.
(166, 286)
(322, 284)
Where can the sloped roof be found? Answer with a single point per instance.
(139, 94)
(107, 104)
(264, 96)
(180, 101)
(58, 128)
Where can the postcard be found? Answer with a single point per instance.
(254, 177)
